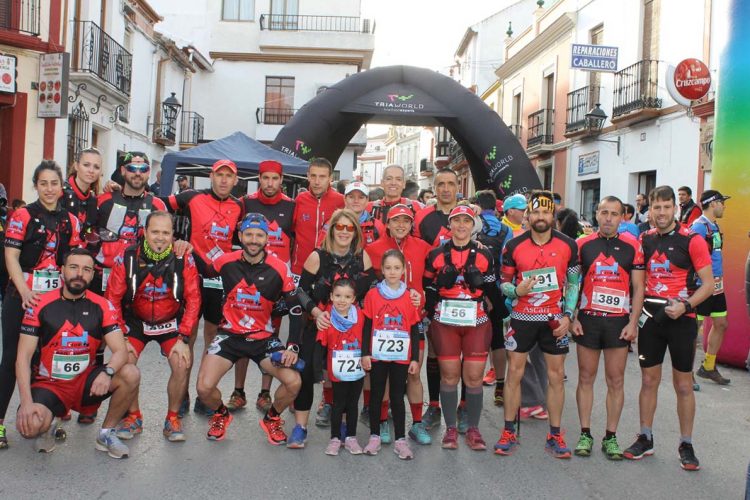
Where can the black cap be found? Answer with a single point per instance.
(712, 195)
(181, 178)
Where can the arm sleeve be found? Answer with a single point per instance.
(304, 291)
(367, 337)
(295, 316)
(192, 297)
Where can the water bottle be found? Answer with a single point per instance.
(552, 322)
(276, 360)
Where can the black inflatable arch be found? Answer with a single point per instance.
(407, 95)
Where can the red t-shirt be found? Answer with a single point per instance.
(350, 342)
(397, 315)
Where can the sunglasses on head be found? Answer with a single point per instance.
(134, 168)
(344, 227)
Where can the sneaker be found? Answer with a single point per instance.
(274, 428)
(202, 409)
(373, 446)
(450, 439)
(364, 416)
(45, 442)
(584, 446)
(489, 379)
(641, 448)
(129, 427)
(323, 417)
(507, 443)
(3, 438)
(87, 419)
(401, 448)
(217, 428)
(352, 445)
(110, 443)
(696, 385)
(557, 446)
(474, 439)
(463, 419)
(528, 412)
(712, 375)
(688, 460)
(263, 403)
(298, 438)
(333, 447)
(431, 418)
(184, 407)
(236, 401)
(541, 415)
(419, 434)
(385, 433)
(173, 429)
(611, 448)
(499, 398)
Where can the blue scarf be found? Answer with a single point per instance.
(341, 323)
(364, 217)
(389, 293)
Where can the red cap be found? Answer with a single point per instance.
(400, 209)
(224, 163)
(499, 205)
(269, 166)
(462, 210)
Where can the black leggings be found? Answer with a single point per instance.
(345, 400)
(304, 399)
(395, 374)
(12, 318)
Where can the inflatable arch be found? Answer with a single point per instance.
(406, 95)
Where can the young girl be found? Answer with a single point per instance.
(390, 349)
(341, 345)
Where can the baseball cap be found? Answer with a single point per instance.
(517, 201)
(224, 163)
(181, 178)
(357, 186)
(254, 221)
(712, 195)
(461, 210)
(400, 209)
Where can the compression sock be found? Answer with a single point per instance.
(416, 412)
(474, 397)
(449, 401)
(433, 379)
(709, 364)
(463, 393)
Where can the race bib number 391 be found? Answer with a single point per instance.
(347, 365)
(390, 345)
(546, 279)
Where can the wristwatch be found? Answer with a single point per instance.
(569, 314)
(688, 307)
(109, 371)
(293, 348)
(185, 339)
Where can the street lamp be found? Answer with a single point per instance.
(170, 107)
(595, 122)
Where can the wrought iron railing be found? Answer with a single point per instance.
(283, 22)
(100, 54)
(20, 15)
(274, 116)
(165, 132)
(541, 128)
(636, 87)
(580, 102)
(192, 127)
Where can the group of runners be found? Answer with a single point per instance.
(372, 291)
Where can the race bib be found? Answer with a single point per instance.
(215, 253)
(105, 278)
(161, 328)
(213, 283)
(347, 365)
(718, 285)
(390, 345)
(45, 280)
(546, 279)
(608, 300)
(69, 366)
(295, 278)
(458, 312)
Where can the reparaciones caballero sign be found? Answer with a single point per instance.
(593, 57)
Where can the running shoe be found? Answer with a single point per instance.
(202, 409)
(641, 448)
(323, 417)
(110, 443)
(541, 415)
(334, 445)
(45, 442)
(373, 446)
(450, 439)
(87, 419)
(402, 449)
(219, 423)
(352, 445)
(529, 411)
(364, 416)
(712, 375)
(385, 433)
(474, 439)
(236, 401)
(463, 419)
(431, 418)
(419, 434)
(274, 428)
(688, 460)
(66, 417)
(611, 448)
(263, 403)
(499, 398)
(3, 438)
(129, 427)
(173, 429)
(298, 438)
(184, 407)
(557, 446)
(584, 446)
(507, 443)
(489, 379)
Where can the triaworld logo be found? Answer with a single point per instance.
(402, 98)
(300, 146)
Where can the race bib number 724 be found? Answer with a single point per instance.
(347, 365)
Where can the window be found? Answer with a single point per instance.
(279, 100)
(284, 14)
(238, 10)
(545, 176)
(646, 182)
(590, 191)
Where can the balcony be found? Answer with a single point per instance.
(165, 133)
(192, 129)
(636, 92)
(273, 116)
(541, 130)
(21, 16)
(340, 24)
(100, 61)
(580, 102)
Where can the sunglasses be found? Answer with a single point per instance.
(135, 168)
(344, 227)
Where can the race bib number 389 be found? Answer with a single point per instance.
(390, 345)
(608, 300)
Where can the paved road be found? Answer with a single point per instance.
(245, 465)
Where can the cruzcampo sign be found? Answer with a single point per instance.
(593, 57)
